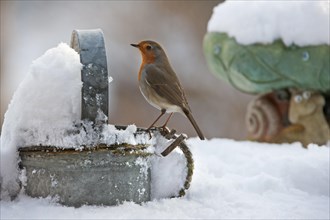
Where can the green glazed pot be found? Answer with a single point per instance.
(260, 68)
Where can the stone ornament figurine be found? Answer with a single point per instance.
(299, 117)
(270, 64)
(309, 124)
(267, 115)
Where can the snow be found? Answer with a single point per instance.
(48, 95)
(232, 180)
(168, 174)
(295, 22)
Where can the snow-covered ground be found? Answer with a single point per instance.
(232, 180)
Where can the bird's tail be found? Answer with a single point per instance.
(193, 122)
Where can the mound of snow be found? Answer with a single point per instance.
(295, 22)
(46, 104)
(232, 180)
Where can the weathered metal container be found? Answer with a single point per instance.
(102, 175)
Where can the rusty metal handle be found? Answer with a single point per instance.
(179, 141)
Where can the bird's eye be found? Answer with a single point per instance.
(148, 47)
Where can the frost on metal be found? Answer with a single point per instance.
(94, 74)
(88, 177)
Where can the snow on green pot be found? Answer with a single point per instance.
(260, 68)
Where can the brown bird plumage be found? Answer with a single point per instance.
(160, 85)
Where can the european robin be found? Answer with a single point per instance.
(160, 85)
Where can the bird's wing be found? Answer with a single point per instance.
(166, 84)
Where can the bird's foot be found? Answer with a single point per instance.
(149, 132)
(163, 130)
(166, 132)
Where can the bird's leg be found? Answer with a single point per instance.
(161, 114)
(164, 126)
(152, 125)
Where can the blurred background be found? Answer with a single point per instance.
(29, 28)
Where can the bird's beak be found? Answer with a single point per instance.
(135, 45)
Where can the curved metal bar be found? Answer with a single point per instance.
(94, 74)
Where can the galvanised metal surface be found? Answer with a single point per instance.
(94, 74)
(93, 176)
